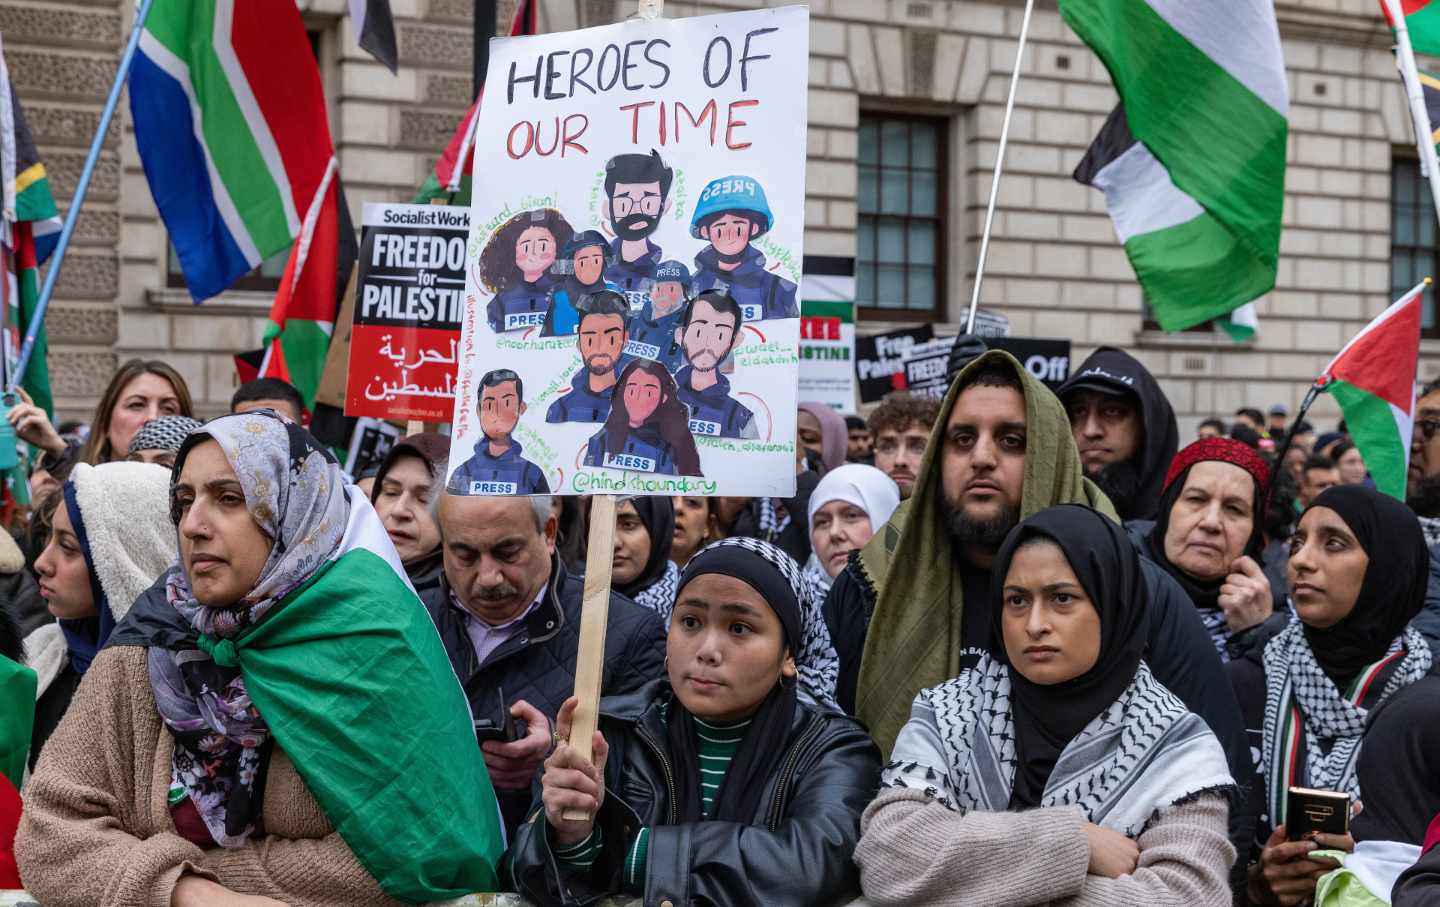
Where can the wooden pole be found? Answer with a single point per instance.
(595, 606)
(594, 614)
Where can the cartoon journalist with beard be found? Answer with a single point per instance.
(710, 331)
(637, 195)
(600, 338)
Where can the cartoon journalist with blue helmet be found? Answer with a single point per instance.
(730, 214)
(498, 466)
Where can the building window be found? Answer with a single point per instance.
(899, 262)
(1412, 234)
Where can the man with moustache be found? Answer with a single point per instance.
(600, 338)
(508, 613)
(910, 609)
(637, 195)
(1124, 428)
(710, 331)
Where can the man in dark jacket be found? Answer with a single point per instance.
(1124, 428)
(509, 616)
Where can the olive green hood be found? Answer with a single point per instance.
(914, 638)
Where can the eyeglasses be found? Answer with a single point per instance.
(623, 205)
(1428, 427)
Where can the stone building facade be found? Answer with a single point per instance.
(1055, 268)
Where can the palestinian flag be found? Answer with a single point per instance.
(450, 179)
(1430, 86)
(302, 317)
(1193, 163)
(1373, 380)
(230, 122)
(1422, 21)
(29, 232)
(354, 682)
(17, 715)
(375, 30)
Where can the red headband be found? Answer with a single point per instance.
(1225, 450)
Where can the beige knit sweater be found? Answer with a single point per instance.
(97, 830)
(913, 850)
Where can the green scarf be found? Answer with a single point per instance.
(914, 638)
(17, 717)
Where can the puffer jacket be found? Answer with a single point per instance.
(796, 851)
(537, 664)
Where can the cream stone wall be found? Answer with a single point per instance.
(1055, 267)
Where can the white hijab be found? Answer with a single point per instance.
(864, 486)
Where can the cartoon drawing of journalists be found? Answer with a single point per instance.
(499, 465)
(647, 430)
(730, 214)
(652, 329)
(708, 334)
(601, 337)
(637, 195)
(585, 259)
(515, 265)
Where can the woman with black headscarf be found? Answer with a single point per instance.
(1358, 572)
(642, 569)
(1057, 769)
(1210, 536)
(717, 784)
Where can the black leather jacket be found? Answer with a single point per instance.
(796, 851)
(537, 664)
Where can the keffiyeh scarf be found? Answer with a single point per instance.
(1144, 752)
(1312, 733)
(660, 595)
(294, 490)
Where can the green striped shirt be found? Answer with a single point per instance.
(717, 745)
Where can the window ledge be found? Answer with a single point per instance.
(243, 302)
(1150, 339)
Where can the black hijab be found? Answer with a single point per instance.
(1393, 589)
(1139, 480)
(657, 514)
(772, 573)
(1048, 717)
(1206, 593)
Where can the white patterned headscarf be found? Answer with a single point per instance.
(293, 489)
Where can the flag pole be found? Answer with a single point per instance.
(1415, 95)
(72, 214)
(999, 166)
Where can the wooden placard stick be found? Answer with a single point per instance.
(594, 614)
(595, 606)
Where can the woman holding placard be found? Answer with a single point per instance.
(717, 783)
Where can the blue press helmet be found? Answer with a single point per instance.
(673, 271)
(732, 193)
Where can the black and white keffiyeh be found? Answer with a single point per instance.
(659, 596)
(1313, 731)
(1217, 629)
(1144, 752)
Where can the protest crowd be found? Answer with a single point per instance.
(1002, 635)
(1012, 646)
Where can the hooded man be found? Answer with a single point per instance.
(1124, 428)
(999, 452)
(498, 466)
(637, 190)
